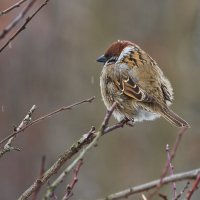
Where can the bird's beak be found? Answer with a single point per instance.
(102, 59)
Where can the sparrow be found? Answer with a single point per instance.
(132, 79)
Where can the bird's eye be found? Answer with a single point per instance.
(113, 59)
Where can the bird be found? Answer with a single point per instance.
(132, 78)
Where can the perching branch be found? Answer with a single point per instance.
(16, 5)
(23, 26)
(68, 154)
(102, 131)
(149, 186)
(91, 138)
(50, 191)
(16, 132)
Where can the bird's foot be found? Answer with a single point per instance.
(128, 122)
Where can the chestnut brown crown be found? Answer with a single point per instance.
(114, 50)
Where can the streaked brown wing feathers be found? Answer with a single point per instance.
(131, 89)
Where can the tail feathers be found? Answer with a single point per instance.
(173, 118)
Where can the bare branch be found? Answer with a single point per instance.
(148, 186)
(98, 134)
(182, 191)
(25, 122)
(174, 149)
(16, 5)
(171, 169)
(16, 132)
(42, 170)
(23, 26)
(194, 187)
(107, 118)
(74, 181)
(60, 178)
(116, 126)
(68, 154)
(173, 152)
(16, 20)
(90, 139)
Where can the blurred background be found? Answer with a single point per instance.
(52, 64)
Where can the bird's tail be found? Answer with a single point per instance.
(173, 118)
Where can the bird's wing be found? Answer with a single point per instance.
(131, 89)
(134, 56)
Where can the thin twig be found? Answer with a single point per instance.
(68, 154)
(113, 127)
(90, 139)
(16, 20)
(149, 186)
(24, 123)
(23, 26)
(194, 187)
(89, 100)
(171, 169)
(182, 191)
(42, 170)
(107, 118)
(59, 179)
(16, 5)
(173, 152)
(73, 182)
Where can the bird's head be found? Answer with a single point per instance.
(113, 51)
